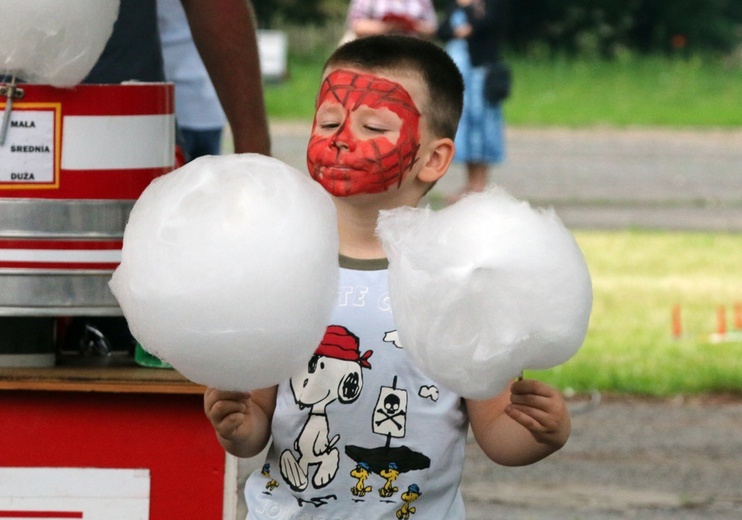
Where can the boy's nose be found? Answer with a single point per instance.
(343, 138)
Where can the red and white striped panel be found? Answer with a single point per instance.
(35, 515)
(88, 142)
(60, 254)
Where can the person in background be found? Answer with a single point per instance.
(409, 17)
(197, 109)
(226, 38)
(473, 31)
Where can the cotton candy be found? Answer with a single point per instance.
(54, 42)
(485, 288)
(229, 270)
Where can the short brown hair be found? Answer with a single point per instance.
(408, 54)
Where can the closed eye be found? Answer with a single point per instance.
(329, 116)
(376, 129)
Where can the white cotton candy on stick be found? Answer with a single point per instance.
(229, 270)
(485, 288)
(53, 42)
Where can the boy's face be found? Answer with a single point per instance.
(365, 134)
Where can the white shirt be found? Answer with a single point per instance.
(197, 106)
(357, 441)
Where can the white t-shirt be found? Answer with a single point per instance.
(362, 433)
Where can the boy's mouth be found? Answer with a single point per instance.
(342, 170)
(347, 180)
(340, 173)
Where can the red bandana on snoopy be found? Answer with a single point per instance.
(345, 164)
(340, 343)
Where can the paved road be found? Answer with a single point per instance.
(605, 178)
(640, 459)
(666, 460)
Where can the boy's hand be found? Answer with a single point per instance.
(242, 420)
(229, 413)
(541, 410)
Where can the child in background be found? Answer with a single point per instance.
(409, 17)
(361, 432)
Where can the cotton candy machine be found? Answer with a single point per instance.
(73, 159)
(72, 165)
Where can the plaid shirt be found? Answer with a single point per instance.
(376, 9)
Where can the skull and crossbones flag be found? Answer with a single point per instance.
(390, 413)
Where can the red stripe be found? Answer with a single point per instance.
(61, 244)
(59, 265)
(96, 100)
(41, 514)
(91, 184)
(104, 100)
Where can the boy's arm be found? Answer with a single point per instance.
(242, 421)
(522, 425)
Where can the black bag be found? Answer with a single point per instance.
(497, 82)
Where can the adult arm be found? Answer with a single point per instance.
(445, 31)
(482, 16)
(225, 35)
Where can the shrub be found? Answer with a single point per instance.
(604, 27)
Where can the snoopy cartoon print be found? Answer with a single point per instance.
(334, 373)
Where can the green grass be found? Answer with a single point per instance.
(637, 279)
(635, 91)
(577, 92)
(294, 97)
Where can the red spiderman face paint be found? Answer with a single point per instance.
(365, 134)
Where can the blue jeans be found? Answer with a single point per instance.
(480, 137)
(201, 142)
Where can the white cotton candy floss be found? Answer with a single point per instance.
(485, 288)
(229, 270)
(53, 42)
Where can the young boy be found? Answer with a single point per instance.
(361, 433)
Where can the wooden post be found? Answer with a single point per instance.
(721, 321)
(677, 324)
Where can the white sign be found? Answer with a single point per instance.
(89, 493)
(28, 155)
(121, 142)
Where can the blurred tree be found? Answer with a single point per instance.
(298, 12)
(594, 27)
(603, 27)
(687, 24)
(586, 27)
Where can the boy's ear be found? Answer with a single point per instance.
(438, 160)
